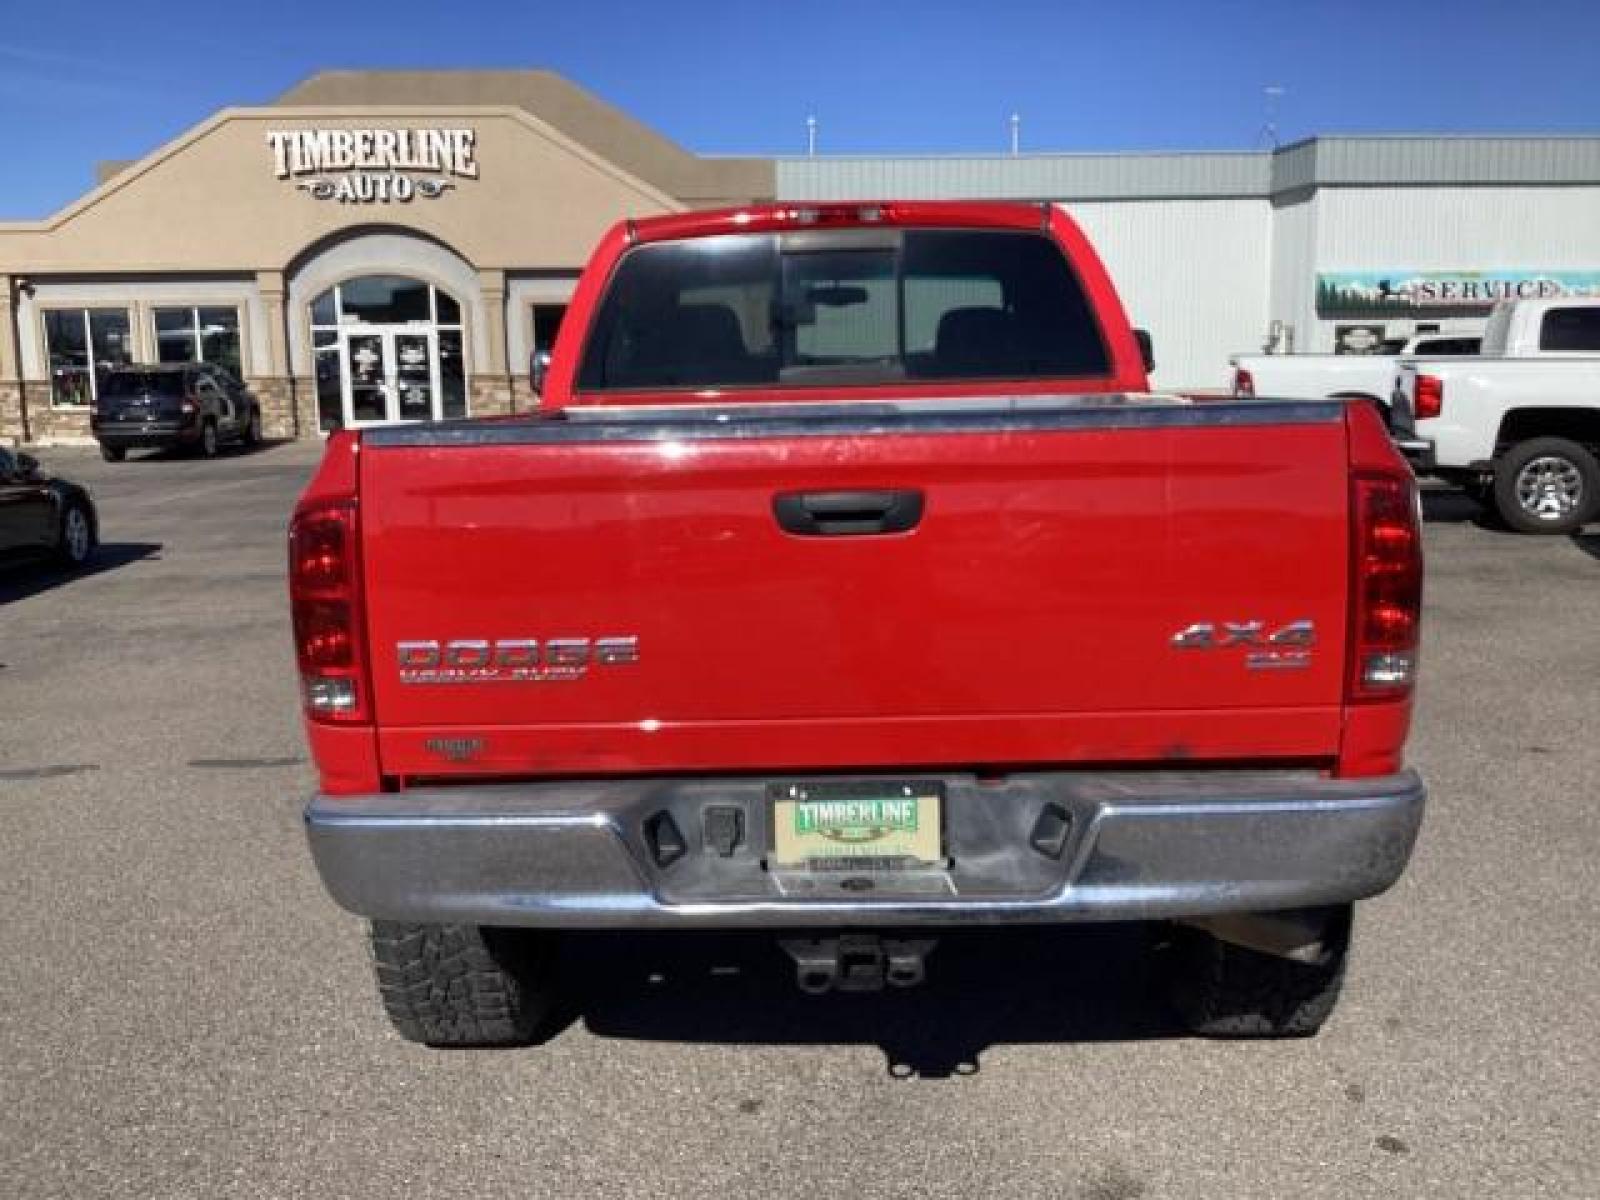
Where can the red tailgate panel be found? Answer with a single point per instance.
(1029, 617)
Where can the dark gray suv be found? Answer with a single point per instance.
(180, 405)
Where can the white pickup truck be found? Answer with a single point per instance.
(1519, 426)
(1319, 376)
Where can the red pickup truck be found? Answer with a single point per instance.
(850, 583)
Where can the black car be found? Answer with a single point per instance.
(181, 405)
(43, 517)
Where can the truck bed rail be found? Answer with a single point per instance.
(675, 422)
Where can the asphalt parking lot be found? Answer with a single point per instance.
(183, 1012)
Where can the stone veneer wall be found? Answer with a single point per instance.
(45, 424)
(288, 408)
(301, 408)
(523, 397)
(10, 414)
(491, 396)
(278, 417)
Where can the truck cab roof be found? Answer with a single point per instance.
(1543, 327)
(769, 218)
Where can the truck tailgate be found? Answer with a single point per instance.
(1029, 615)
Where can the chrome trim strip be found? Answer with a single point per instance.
(1013, 414)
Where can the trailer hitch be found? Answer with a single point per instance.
(857, 962)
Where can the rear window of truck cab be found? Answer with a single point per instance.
(844, 307)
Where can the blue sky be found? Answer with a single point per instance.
(86, 81)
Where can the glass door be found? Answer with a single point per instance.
(390, 375)
(416, 385)
(367, 365)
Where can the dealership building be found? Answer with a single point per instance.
(387, 246)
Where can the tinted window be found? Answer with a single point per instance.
(385, 300)
(138, 383)
(1571, 329)
(1443, 346)
(858, 308)
(547, 320)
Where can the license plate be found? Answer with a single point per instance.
(873, 825)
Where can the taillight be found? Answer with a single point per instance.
(325, 597)
(1385, 586)
(1427, 401)
(1244, 383)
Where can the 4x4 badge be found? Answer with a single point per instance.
(1287, 647)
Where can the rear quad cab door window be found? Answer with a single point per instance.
(853, 307)
(1570, 331)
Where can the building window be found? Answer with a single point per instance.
(201, 334)
(547, 320)
(82, 344)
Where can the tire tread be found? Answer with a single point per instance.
(458, 985)
(1226, 991)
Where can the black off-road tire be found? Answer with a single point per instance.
(210, 444)
(1222, 990)
(461, 985)
(1567, 460)
(113, 453)
(251, 438)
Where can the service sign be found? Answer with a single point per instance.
(1398, 292)
(374, 166)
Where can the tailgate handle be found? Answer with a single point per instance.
(842, 514)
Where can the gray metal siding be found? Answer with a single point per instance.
(1292, 295)
(1401, 161)
(1043, 177)
(1192, 272)
(1461, 228)
(1319, 162)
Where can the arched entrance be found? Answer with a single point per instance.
(387, 348)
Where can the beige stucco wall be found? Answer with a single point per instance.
(211, 202)
(206, 218)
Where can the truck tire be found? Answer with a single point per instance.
(210, 442)
(113, 453)
(1547, 485)
(1226, 991)
(461, 985)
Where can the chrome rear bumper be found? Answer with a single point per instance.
(591, 854)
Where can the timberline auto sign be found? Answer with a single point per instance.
(374, 166)
(1401, 291)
